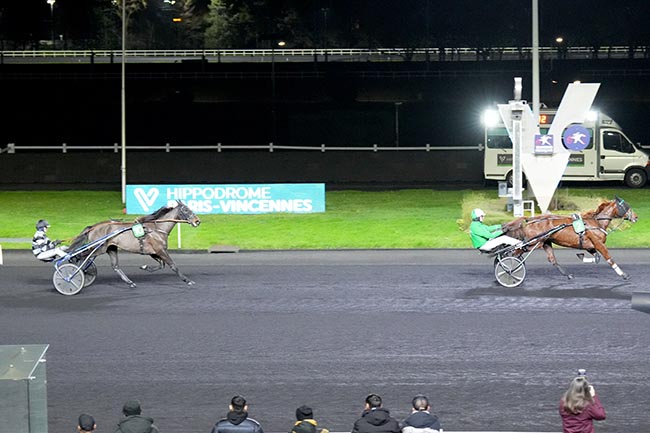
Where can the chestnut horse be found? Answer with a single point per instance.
(592, 239)
(151, 241)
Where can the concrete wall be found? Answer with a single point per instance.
(332, 167)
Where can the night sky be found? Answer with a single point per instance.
(355, 22)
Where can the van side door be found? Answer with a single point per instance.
(616, 153)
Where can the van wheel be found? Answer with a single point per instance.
(510, 177)
(636, 178)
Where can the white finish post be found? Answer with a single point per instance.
(517, 108)
(178, 226)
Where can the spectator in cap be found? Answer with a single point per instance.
(375, 419)
(305, 422)
(237, 420)
(420, 420)
(133, 421)
(86, 423)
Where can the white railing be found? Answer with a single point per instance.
(351, 54)
(270, 147)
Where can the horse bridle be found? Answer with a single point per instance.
(622, 206)
(623, 211)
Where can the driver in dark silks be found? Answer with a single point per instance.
(485, 237)
(42, 247)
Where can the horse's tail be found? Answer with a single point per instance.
(515, 228)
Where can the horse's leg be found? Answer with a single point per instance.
(593, 252)
(158, 260)
(164, 256)
(112, 253)
(602, 249)
(548, 248)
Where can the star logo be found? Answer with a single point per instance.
(543, 144)
(576, 137)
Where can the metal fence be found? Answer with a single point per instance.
(270, 147)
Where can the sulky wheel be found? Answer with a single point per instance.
(510, 271)
(90, 273)
(68, 279)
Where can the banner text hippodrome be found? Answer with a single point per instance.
(219, 193)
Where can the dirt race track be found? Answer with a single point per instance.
(326, 329)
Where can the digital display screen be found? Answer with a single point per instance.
(546, 119)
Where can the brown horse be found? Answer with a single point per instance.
(151, 241)
(592, 239)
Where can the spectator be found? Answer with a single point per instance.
(579, 406)
(42, 247)
(237, 420)
(133, 421)
(86, 423)
(305, 422)
(375, 419)
(420, 420)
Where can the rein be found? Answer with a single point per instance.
(167, 221)
(149, 222)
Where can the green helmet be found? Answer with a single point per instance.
(477, 213)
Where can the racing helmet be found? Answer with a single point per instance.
(477, 213)
(41, 224)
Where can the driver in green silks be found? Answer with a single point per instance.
(485, 237)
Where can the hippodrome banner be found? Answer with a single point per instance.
(229, 199)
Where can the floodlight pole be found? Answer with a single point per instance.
(51, 3)
(535, 54)
(123, 164)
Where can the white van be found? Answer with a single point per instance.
(609, 156)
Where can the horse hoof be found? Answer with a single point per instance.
(132, 285)
(570, 277)
(626, 277)
(143, 267)
(191, 283)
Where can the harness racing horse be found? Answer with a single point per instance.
(151, 239)
(592, 238)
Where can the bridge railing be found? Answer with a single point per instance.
(338, 54)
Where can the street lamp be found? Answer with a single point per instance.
(273, 118)
(560, 49)
(51, 3)
(324, 31)
(123, 103)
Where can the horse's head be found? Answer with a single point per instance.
(624, 210)
(186, 214)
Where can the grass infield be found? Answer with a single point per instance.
(414, 218)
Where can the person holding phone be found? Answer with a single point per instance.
(580, 406)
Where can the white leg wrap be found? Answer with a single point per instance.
(617, 269)
(588, 260)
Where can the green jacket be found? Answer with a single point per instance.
(481, 233)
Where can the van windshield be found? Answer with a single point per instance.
(498, 138)
(614, 140)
